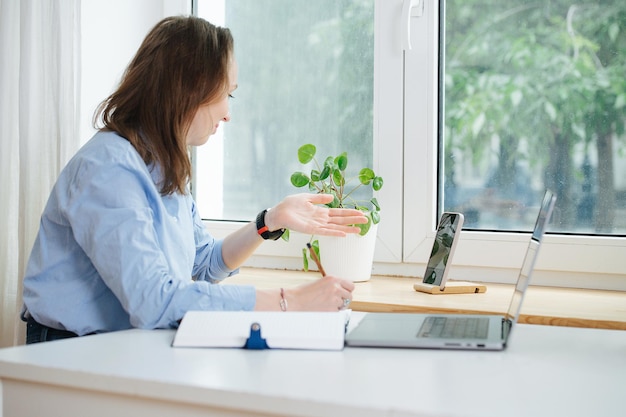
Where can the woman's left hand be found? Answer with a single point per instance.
(305, 213)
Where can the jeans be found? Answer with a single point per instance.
(36, 332)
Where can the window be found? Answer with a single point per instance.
(306, 75)
(335, 74)
(534, 98)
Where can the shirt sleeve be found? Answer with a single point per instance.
(209, 264)
(115, 214)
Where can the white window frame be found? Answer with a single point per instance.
(405, 154)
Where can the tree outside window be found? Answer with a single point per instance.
(535, 97)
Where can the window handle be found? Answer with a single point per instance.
(409, 8)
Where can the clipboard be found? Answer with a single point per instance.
(257, 330)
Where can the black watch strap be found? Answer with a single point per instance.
(262, 229)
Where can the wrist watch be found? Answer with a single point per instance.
(262, 229)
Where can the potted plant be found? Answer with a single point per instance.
(330, 177)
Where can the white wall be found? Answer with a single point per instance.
(112, 30)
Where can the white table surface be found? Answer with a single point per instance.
(545, 371)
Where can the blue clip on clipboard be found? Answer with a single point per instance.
(255, 341)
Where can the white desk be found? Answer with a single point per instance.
(546, 371)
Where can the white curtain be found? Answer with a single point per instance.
(39, 124)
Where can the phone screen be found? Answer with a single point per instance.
(442, 247)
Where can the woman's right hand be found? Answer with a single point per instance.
(328, 293)
(325, 294)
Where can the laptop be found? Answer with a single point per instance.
(454, 331)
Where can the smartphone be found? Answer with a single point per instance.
(448, 232)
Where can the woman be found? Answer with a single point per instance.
(121, 243)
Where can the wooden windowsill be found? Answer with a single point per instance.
(542, 305)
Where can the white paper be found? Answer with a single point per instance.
(281, 330)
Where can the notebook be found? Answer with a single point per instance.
(454, 331)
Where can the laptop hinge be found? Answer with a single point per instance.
(506, 328)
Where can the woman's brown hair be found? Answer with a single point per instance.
(181, 64)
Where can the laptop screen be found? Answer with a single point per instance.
(523, 280)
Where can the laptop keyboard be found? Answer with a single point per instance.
(455, 327)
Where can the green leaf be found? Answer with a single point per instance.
(375, 216)
(377, 184)
(324, 174)
(299, 179)
(342, 161)
(366, 175)
(306, 153)
(305, 259)
(285, 235)
(338, 177)
(365, 227)
(374, 202)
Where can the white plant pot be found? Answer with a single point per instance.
(349, 257)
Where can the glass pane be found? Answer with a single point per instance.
(535, 98)
(305, 76)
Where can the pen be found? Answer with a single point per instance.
(316, 259)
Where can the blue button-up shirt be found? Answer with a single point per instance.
(113, 253)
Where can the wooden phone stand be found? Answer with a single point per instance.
(452, 287)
